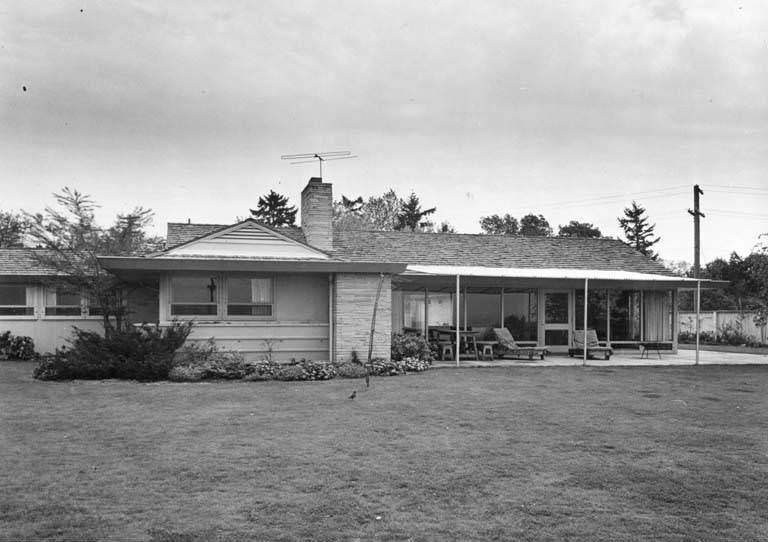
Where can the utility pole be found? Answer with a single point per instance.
(696, 230)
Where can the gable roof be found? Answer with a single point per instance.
(180, 233)
(461, 249)
(458, 249)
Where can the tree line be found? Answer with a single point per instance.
(391, 212)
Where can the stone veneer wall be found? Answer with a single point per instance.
(354, 297)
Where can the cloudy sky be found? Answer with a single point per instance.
(569, 109)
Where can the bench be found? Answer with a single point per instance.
(646, 346)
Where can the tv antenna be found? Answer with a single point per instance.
(321, 157)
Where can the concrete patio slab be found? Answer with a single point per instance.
(631, 358)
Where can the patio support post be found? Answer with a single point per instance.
(426, 314)
(698, 317)
(330, 318)
(465, 307)
(586, 296)
(458, 316)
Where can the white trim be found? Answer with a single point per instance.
(541, 273)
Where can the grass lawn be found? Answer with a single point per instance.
(676, 453)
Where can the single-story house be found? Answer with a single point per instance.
(309, 292)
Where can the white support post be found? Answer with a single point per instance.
(698, 317)
(608, 315)
(330, 318)
(426, 314)
(458, 317)
(465, 307)
(586, 296)
(501, 309)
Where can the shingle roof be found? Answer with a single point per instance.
(492, 251)
(180, 232)
(22, 262)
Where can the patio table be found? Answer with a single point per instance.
(465, 336)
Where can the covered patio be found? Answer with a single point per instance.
(539, 307)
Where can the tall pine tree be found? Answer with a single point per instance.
(411, 216)
(273, 210)
(638, 232)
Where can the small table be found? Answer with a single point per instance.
(465, 336)
(645, 346)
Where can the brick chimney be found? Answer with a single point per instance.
(317, 213)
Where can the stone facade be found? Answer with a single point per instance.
(317, 214)
(354, 296)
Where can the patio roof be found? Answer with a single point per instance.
(501, 276)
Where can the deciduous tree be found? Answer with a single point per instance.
(500, 225)
(532, 225)
(579, 229)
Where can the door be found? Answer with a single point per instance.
(557, 320)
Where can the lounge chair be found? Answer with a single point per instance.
(593, 345)
(508, 347)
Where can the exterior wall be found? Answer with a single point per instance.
(298, 328)
(354, 298)
(48, 332)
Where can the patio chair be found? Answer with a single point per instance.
(593, 345)
(508, 347)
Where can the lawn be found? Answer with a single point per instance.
(676, 453)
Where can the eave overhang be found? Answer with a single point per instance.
(138, 265)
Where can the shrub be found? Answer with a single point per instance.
(416, 365)
(410, 346)
(16, 347)
(140, 353)
(350, 369)
(210, 362)
(383, 367)
(291, 372)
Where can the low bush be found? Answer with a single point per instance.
(207, 361)
(411, 346)
(140, 353)
(17, 347)
(350, 369)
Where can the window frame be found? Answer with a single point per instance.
(246, 317)
(29, 306)
(216, 303)
(79, 316)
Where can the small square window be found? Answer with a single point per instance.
(194, 296)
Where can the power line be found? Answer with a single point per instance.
(755, 188)
(647, 194)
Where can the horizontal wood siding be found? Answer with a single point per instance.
(288, 340)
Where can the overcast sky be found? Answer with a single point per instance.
(568, 109)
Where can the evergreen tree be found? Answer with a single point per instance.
(638, 232)
(500, 225)
(411, 215)
(273, 210)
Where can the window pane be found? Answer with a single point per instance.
(657, 315)
(556, 308)
(61, 302)
(192, 310)
(625, 315)
(413, 310)
(440, 311)
(556, 337)
(13, 294)
(193, 290)
(597, 312)
(521, 314)
(249, 296)
(483, 310)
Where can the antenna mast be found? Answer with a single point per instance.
(321, 157)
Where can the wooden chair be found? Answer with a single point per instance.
(593, 345)
(508, 347)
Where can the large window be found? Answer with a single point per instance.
(625, 315)
(483, 310)
(15, 300)
(657, 315)
(521, 314)
(194, 296)
(597, 312)
(62, 302)
(250, 297)
(413, 311)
